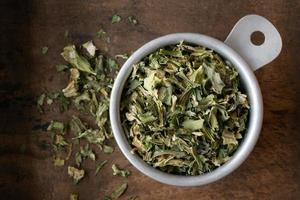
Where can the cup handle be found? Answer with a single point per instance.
(256, 56)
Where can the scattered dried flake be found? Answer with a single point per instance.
(40, 102)
(108, 149)
(89, 48)
(73, 196)
(61, 67)
(100, 166)
(45, 50)
(69, 152)
(112, 64)
(60, 141)
(56, 126)
(119, 172)
(84, 153)
(77, 126)
(89, 87)
(66, 34)
(72, 88)
(58, 162)
(133, 198)
(49, 101)
(63, 101)
(123, 56)
(133, 20)
(106, 198)
(96, 136)
(101, 34)
(53, 95)
(119, 191)
(76, 174)
(115, 19)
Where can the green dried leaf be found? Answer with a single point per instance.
(64, 102)
(133, 20)
(108, 149)
(102, 114)
(49, 101)
(115, 19)
(83, 154)
(193, 124)
(41, 99)
(89, 49)
(72, 88)
(78, 159)
(119, 191)
(71, 56)
(60, 141)
(119, 172)
(77, 126)
(66, 34)
(56, 126)
(54, 95)
(229, 138)
(76, 174)
(112, 64)
(45, 50)
(146, 117)
(61, 67)
(214, 77)
(106, 198)
(58, 162)
(102, 35)
(84, 97)
(151, 81)
(100, 166)
(86, 152)
(40, 102)
(73, 196)
(123, 56)
(96, 136)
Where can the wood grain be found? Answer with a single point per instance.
(26, 170)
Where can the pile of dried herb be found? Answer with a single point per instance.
(90, 82)
(183, 109)
(91, 75)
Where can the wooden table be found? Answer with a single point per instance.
(26, 171)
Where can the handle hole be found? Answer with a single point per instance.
(257, 38)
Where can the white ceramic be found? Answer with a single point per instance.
(245, 57)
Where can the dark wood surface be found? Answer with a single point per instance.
(272, 171)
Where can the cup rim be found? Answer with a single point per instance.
(251, 86)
